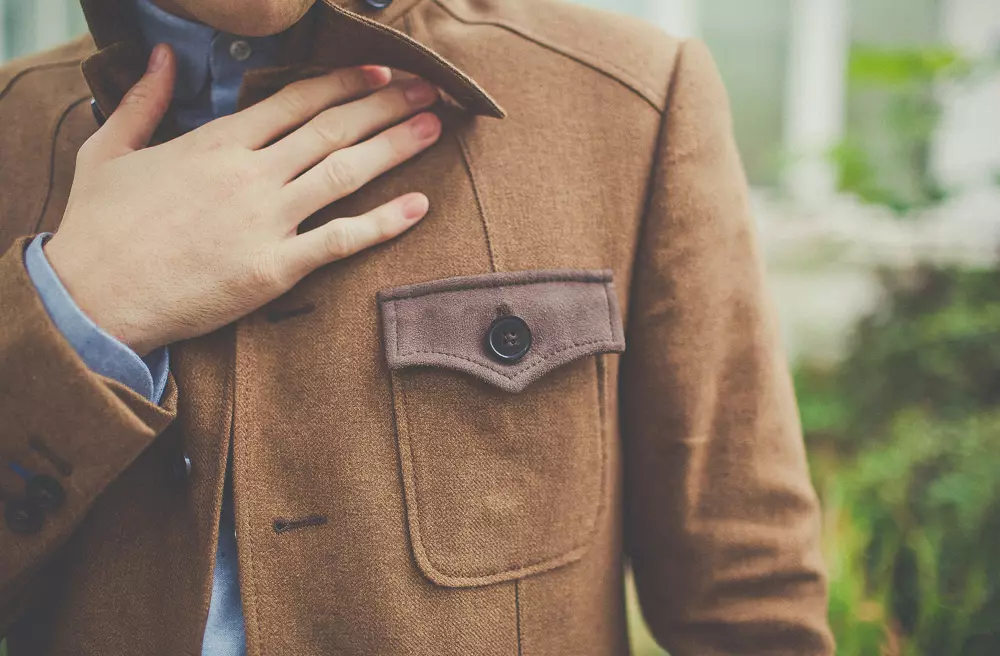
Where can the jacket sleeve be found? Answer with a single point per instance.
(722, 522)
(65, 434)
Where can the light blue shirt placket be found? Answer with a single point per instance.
(211, 66)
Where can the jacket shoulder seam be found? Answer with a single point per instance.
(597, 64)
(34, 69)
(658, 156)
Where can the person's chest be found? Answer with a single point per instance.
(396, 414)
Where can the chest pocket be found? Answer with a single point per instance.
(500, 408)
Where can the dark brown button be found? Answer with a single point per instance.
(45, 492)
(23, 517)
(508, 339)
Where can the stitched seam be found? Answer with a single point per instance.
(660, 138)
(415, 519)
(52, 158)
(543, 359)
(611, 317)
(405, 14)
(395, 312)
(449, 70)
(615, 72)
(517, 611)
(601, 372)
(485, 284)
(467, 161)
(37, 67)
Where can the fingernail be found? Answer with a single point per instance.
(415, 206)
(418, 92)
(425, 126)
(158, 58)
(377, 76)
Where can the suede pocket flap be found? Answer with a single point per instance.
(447, 323)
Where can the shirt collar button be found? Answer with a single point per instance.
(240, 50)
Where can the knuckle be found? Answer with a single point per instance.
(353, 80)
(294, 100)
(399, 145)
(341, 175)
(139, 94)
(265, 272)
(332, 133)
(344, 83)
(339, 240)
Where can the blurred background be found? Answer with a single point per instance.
(870, 131)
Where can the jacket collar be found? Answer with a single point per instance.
(335, 33)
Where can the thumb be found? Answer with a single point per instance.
(134, 121)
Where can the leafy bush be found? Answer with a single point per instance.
(904, 437)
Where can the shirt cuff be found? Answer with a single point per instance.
(102, 353)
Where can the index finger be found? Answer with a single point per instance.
(297, 103)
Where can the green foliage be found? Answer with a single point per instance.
(883, 159)
(905, 67)
(904, 438)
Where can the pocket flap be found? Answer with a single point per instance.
(507, 329)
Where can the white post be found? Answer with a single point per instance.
(678, 17)
(966, 152)
(51, 23)
(815, 102)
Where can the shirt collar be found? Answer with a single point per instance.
(338, 33)
(191, 41)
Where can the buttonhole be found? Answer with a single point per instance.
(62, 465)
(285, 525)
(274, 316)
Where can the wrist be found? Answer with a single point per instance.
(98, 293)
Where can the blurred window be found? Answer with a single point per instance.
(27, 26)
(750, 42)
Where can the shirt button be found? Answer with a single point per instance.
(45, 492)
(378, 4)
(23, 517)
(240, 50)
(508, 339)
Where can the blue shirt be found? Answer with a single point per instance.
(210, 68)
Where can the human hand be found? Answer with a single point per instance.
(173, 241)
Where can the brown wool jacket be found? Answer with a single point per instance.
(398, 489)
